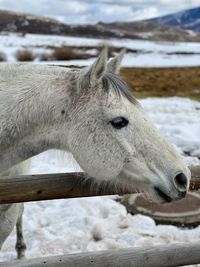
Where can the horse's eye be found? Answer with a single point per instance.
(119, 122)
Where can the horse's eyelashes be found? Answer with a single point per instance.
(119, 122)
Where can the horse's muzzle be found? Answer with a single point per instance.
(175, 195)
(163, 195)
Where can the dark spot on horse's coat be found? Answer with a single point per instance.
(127, 160)
(39, 192)
(62, 111)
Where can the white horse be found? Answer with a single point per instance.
(92, 114)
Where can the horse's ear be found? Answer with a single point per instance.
(98, 68)
(115, 63)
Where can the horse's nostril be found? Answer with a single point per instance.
(181, 181)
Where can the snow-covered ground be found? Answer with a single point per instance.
(153, 54)
(68, 226)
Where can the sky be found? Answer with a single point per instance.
(86, 11)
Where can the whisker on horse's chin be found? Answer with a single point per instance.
(151, 196)
(101, 186)
(123, 188)
(147, 196)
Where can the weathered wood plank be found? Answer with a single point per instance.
(56, 186)
(49, 186)
(171, 255)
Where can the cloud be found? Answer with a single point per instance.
(146, 13)
(180, 4)
(40, 7)
(111, 13)
(86, 11)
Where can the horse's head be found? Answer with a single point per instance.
(112, 137)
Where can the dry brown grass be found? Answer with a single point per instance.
(24, 55)
(3, 57)
(164, 82)
(77, 52)
(68, 53)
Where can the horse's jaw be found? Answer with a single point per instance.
(160, 189)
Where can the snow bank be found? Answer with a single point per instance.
(153, 54)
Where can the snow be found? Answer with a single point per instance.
(55, 40)
(89, 224)
(152, 54)
(142, 60)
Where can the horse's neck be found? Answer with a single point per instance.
(32, 100)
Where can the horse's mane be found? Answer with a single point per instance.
(111, 80)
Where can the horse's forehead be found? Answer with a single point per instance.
(118, 100)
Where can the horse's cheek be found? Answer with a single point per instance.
(96, 153)
(105, 157)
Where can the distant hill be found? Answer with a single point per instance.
(149, 30)
(146, 30)
(20, 22)
(27, 23)
(187, 19)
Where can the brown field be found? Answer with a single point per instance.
(164, 82)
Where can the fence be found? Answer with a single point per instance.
(62, 185)
(55, 186)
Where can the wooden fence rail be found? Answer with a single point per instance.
(66, 185)
(166, 256)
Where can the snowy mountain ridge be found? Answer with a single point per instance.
(188, 19)
(143, 30)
